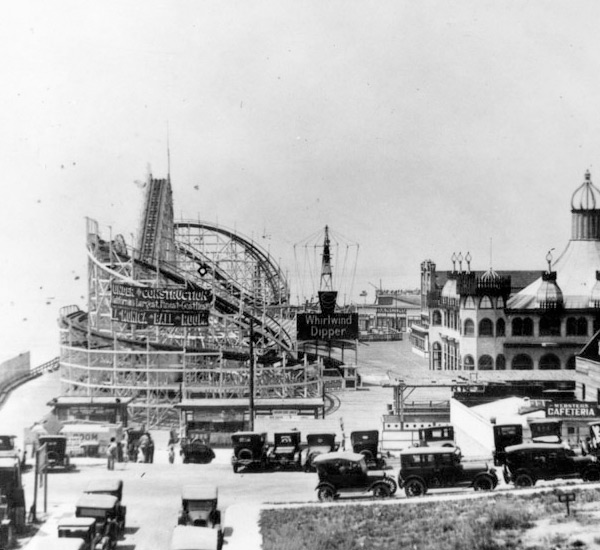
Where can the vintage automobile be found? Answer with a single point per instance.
(424, 468)
(7, 446)
(199, 507)
(113, 487)
(436, 436)
(527, 463)
(105, 510)
(56, 451)
(249, 451)
(343, 472)
(286, 451)
(186, 537)
(505, 435)
(196, 451)
(318, 444)
(83, 529)
(367, 443)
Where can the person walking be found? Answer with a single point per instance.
(111, 453)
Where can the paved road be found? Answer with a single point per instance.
(152, 491)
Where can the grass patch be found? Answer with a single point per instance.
(491, 523)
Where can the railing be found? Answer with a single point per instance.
(21, 379)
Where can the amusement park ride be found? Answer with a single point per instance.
(182, 315)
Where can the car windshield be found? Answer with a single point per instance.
(200, 505)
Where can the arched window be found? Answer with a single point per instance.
(550, 325)
(522, 362)
(582, 326)
(486, 303)
(571, 363)
(549, 362)
(469, 328)
(486, 327)
(469, 362)
(571, 326)
(436, 318)
(500, 303)
(469, 302)
(486, 363)
(500, 327)
(500, 362)
(437, 356)
(517, 326)
(527, 326)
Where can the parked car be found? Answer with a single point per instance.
(196, 451)
(424, 468)
(346, 472)
(527, 463)
(249, 450)
(367, 443)
(199, 507)
(436, 436)
(105, 510)
(56, 451)
(83, 529)
(185, 537)
(318, 444)
(113, 487)
(505, 435)
(286, 451)
(7, 446)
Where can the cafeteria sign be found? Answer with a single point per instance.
(166, 306)
(572, 410)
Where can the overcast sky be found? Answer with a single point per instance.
(415, 129)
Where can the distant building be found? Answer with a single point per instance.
(391, 314)
(516, 320)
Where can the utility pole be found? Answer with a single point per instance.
(251, 381)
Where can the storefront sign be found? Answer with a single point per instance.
(331, 326)
(572, 410)
(177, 307)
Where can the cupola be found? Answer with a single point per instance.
(549, 294)
(585, 211)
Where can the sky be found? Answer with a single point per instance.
(415, 129)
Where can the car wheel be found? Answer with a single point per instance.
(245, 454)
(382, 490)
(592, 474)
(414, 488)
(326, 494)
(524, 480)
(483, 483)
(392, 484)
(368, 455)
(235, 468)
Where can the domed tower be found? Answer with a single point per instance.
(549, 294)
(585, 210)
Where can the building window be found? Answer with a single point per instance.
(469, 362)
(486, 303)
(500, 362)
(437, 356)
(500, 303)
(500, 327)
(571, 363)
(549, 362)
(469, 302)
(486, 363)
(486, 327)
(522, 327)
(469, 328)
(550, 325)
(436, 318)
(522, 362)
(577, 326)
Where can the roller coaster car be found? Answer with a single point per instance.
(367, 443)
(83, 529)
(105, 510)
(112, 487)
(286, 451)
(249, 450)
(318, 444)
(525, 464)
(424, 468)
(347, 472)
(56, 451)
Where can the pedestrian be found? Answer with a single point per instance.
(111, 453)
(150, 450)
(171, 453)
